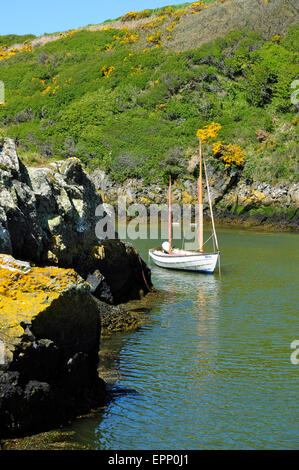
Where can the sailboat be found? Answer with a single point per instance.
(167, 256)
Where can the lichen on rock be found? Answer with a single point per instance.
(50, 326)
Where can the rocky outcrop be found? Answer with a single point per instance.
(235, 199)
(121, 274)
(252, 195)
(135, 191)
(50, 329)
(46, 213)
(48, 217)
(260, 204)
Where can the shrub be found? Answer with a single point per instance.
(174, 163)
(106, 71)
(196, 7)
(260, 82)
(165, 11)
(143, 14)
(155, 38)
(131, 15)
(24, 115)
(230, 154)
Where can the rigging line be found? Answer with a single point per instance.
(206, 241)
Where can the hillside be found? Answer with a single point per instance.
(127, 96)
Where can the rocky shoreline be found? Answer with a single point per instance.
(236, 200)
(58, 284)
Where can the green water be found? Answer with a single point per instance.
(211, 368)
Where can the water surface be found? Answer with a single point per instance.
(211, 367)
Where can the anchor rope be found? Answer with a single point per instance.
(143, 275)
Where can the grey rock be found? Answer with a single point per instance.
(8, 156)
(39, 204)
(99, 287)
(101, 180)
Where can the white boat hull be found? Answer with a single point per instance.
(184, 260)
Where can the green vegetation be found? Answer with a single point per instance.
(267, 211)
(272, 211)
(11, 39)
(132, 106)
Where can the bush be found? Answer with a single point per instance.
(174, 163)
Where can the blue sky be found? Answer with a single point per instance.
(42, 16)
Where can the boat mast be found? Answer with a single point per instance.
(211, 208)
(169, 216)
(200, 204)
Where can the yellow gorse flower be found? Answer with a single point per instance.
(275, 38)
(208, 132)
(26, 48)
(143, 14)
(168, 10)
(136, 70)
(154, 23)
(165, 11)
(196, 7)
(107, 71)
(68, 33)
(50, 88)
(171, 26)
(131, 15)
(46, 90)
(6, 53)
(135, 15)
(129, 38)
(128, 56)
(229, 154)
(108, 47)
(155, 38)
(177, 14)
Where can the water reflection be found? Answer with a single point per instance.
(190, 305)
